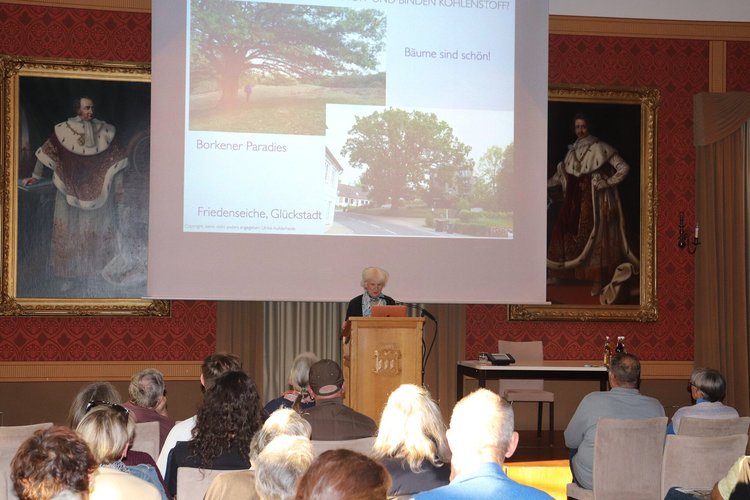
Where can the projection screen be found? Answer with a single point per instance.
(295, 143)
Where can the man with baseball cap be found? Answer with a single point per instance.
(329, 418)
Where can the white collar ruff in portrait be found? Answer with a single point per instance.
(85, 138)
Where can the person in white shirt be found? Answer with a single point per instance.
(214, 365)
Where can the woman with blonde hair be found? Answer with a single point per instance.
(106, 394)
(411, 442)
(107, 428)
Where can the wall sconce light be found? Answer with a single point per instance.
(683, 241)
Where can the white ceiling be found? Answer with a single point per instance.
(689, 10)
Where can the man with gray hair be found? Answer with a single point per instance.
(623, 401)
(481, 437)
(707, 388)
(148, 401)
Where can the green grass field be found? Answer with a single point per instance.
(297, 109)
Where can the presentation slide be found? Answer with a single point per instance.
(295, 143)
(292, 106)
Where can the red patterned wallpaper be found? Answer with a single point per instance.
(738, 67)
(679, 69)
(190, 333)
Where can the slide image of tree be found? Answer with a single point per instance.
(272, 68)
(417, 175)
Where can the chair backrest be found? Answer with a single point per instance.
(362, 445)
(699, 461)
(628, 458)
(192, 483)
(531, 351)
(147, 438)
(10, 439)
(692, 426)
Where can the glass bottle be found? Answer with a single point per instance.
(607, 351)
(620, 345)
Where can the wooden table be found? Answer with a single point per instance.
(547, 370)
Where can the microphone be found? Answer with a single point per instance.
(427, 313)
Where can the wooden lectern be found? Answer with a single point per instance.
(380, 354)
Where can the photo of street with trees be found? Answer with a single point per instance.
(420, 179)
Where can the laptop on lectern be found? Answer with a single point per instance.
(396, 311)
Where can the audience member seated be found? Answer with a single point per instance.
(411, 442)
(280, 466)
(330, 419)
(213, 366)
(95, 391)
(736, 484)
(237, 484)
(106, 428)
(105, 392)
(623, 401)
(53, 464)
(227, 419)
(481, 437)
(296, 397)
(707, 388)
(282, 422)
(343, 475)
(148, 401)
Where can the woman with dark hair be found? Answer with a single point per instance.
(95, 391)
(231, 413)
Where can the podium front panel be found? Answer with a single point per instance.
(382, 354)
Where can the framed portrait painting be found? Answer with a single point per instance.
(75, 167)
(601, 206)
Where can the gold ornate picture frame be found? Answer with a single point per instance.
(75, 189)
(601, 227)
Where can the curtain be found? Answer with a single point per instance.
(295, 327)
(448, 349)
(721, 265)
(239, 330)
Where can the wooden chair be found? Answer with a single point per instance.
(147, 438)
(692, 426)
(362, 445)
(627, 460)
(11, 438)
(528, 391)
(698, 462)
(192, 483)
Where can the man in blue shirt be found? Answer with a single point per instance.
(481, 437)
(622, 401)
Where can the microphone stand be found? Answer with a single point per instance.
(425, 350)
